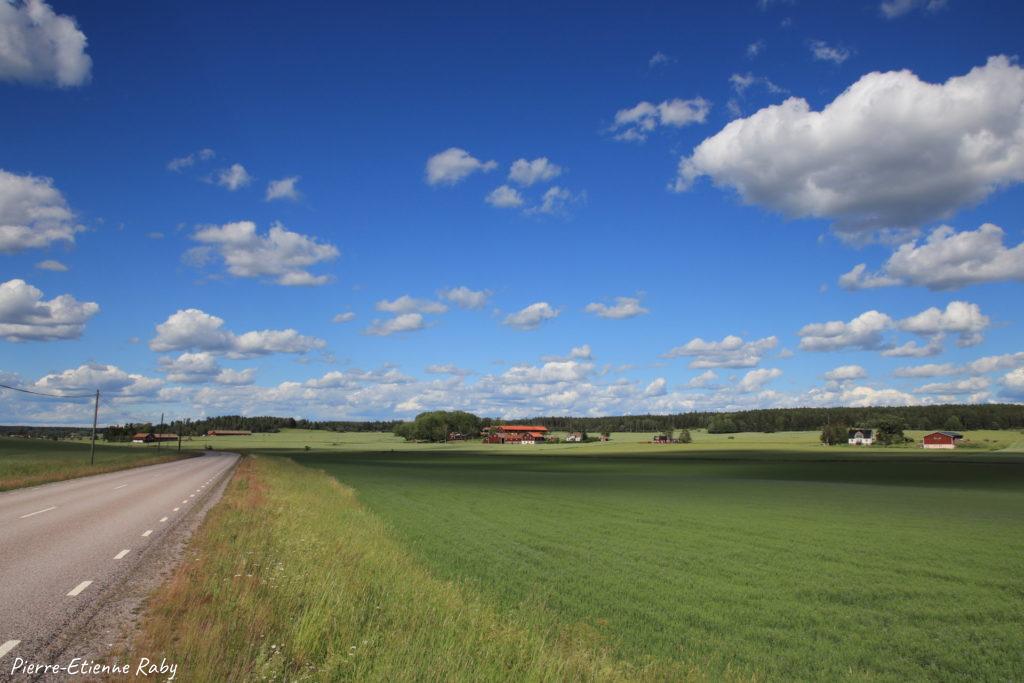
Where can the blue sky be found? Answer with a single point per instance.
(695, 188)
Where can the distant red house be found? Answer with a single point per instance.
(228, 432)
(941, 439)
(515, 434)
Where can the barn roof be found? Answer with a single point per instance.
(952, 435)
(522, 428)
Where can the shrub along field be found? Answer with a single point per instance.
(738, 562)
(27, 462)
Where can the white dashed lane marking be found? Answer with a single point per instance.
(175, 509)
(79, 588)
(8, 646)
(122, 553)
(163, 519)
(120, 487)
(147, 532)
(37, 512)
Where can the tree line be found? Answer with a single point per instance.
(951, 416)
(436, 425)
(265, 424)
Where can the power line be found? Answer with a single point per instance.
(37, 393)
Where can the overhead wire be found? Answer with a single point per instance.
(39, 393)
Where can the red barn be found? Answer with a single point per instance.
(941, 439)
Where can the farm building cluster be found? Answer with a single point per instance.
(523, 434)
(860, 436)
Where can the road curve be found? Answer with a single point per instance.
(63, 544)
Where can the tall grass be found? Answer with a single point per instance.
(290, 578)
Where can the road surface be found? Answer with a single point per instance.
(63, 545)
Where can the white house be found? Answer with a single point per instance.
(861, 437)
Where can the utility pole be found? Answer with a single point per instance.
(95, 415)
(158, 433)
(179, 436)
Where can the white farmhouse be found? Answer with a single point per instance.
(861, 437)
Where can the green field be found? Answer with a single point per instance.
(795, 570)
(757, 557)
(27, 462)
(624, 443)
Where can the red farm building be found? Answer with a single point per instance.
(941, 439)
(525, 434)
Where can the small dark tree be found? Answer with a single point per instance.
(890, 430)
(834, 434)
(684, 436)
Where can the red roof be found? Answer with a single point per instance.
(522, 428)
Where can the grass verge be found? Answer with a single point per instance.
(25, 462)
(291, 578)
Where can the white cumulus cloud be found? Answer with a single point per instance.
(33, 213)
(863, 332)
(624, 307)
(109, 379)
(730, 352)
(556, 200)
(181, 163)
(637, 122)
(404, 322)
(504, 197)
(1014, 382)
(453, 165)
(283, 189)
(959, 317)
(194, 329)
(845, 373)
(464, 297)
(280, 254)
(532, 316)
(26, 316)
(527, 173)
(38, 45)
(823, 52)
(947, 259)
(408, 304)
(233, 177)
(891, 151)
(347, 316)
(897, 8)
(755, 379)
(51, 265)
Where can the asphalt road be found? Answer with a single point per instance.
(62, 545)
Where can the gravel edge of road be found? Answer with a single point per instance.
(108, 626)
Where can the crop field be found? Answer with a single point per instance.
(621, 443)
(27, 462)
(751, 558)
(799, 569)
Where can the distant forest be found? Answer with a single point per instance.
(951, 416)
